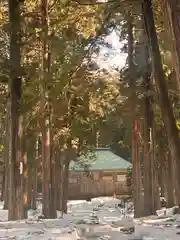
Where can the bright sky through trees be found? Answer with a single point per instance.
(112, 57)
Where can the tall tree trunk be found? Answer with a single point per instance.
(46, 131)
(136, 171)
(148, 201)
(46, 157)
(22, 194)
(53, 199)
(15, 152)
(46, 153)
(165, 104)
(148, 144)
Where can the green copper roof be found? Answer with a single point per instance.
(100, 159)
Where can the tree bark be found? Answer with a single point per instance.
(65, 187)
(58, 179)
(58, 182)
(46, 154)
(15, 151)
(30, 186)
(136, 171)
(53, 186)
(155, 182)
(34, 174)
(46, 158)
(162, 171)
(148, 197)
(151, 184)
(49, 211)
(165, 104)
(169, 182)
(24, 184)
(22, 193)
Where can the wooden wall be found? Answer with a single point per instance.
(99, 183)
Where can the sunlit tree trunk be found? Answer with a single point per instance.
(48, 163)
(165, 104)
(46, 144)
